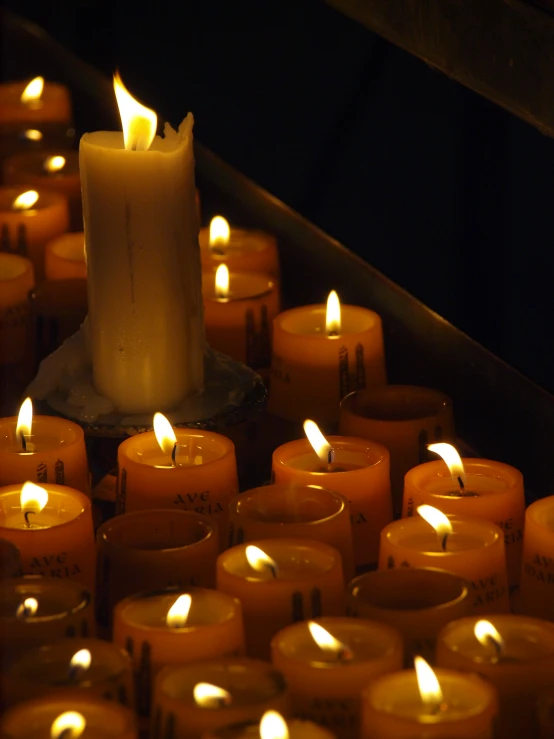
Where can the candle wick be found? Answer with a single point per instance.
(333, 332)
(330, 458)
(496, 644)
(461, 484)
(273, 571)
(443, 542)
(173, 455)
(26, 517)
(345, 654)
(23, 441)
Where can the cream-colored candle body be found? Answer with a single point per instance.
(143, 262)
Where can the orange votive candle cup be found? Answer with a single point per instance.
(362, 476)
(64, 257)
(493, 492)
(247, 251)
(10, 560)
(54, 105)
(16, 280)
(537, 573)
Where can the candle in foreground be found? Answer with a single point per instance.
(16, 281)
(537, 574)
(320, 354)
(356, 468)
(515, 653)
(271, 726)
(242, 250)
(34, 101)
(280, 581)
(445, 703)
(64, 257)
(143, 261)
(197, 698)
(327, 662)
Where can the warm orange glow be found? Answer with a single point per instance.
(139, 123)
(80, 662)
(210, 696)
(32, 134)
(179, 612)
(54, 164)
(327, 641)
(28, 608)
(259, 560)
(222, 281)
(273, 726)
(332, 315)
(429, 687)
(220, 233)
(487, 634)
(319, 443)
(451, 457)
(25, 419)
(436, 519)
(165, 435)
(33, 91)
(33, 498)
(26, 200)
(70, 725)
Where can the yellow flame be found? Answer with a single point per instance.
(427, 683)
(33, 91)
(220, 233)
(319, 443)
(54, 164)
(259, 560)
(26, 200)
(81, 660)
(332, 314)
(165, 435)
(32, 134)
(71, 722)
(210, 696)
(33, 498)
(179, 612)
(451, 457)
(436, 519)
(139, 123)
(25, 419)
(28, 608)
(273, 726)
(325, 640)
(222, 281)
(486, 633)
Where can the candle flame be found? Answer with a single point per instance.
(451, 457)
(54, 164)
(273, 726)
(28, 608)
(427, 683)
(436, 519)
(25, 419)
(222, 281)
(487, 634)
(179, 612)
(319, 443)
(32, 134)
(139, 123)
(33, 498)
(259, 560)
(327, 641)
(80, 662)
(220, 233)
(26, 200)
(332, 314)
(33, 91)
(70, 725)
(165, 435)
(210, 696)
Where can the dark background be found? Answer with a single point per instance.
(447, 194)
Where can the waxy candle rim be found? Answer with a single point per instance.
(46, 199)
(25, 263)
(282, 318)
(133, 440)
(349, 403)
(483, 524)
(81, 606)
(55, 421)
(335, 441)
(437, 470)
(208, 281)
(534, 510)
(49, 487)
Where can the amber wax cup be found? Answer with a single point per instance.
(153, 549)
(493, 491)
(242, 250)
(34, 102)
(404, 418)
(280, 581)
(64, 257)
(289, 511)
(10, 560)
(171, 627)
(418, 601)
(359, 470)
(327, 662)
(515, 653)
(231, 690)
(16, 280)
(537, 574)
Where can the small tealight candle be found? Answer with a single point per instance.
(239, 308)
(177, 468)
(327, 662)
(412, 704)
(468, 547)
(477, 488)
(166, 627)
(280, 581)
(320, 354)
(197, 698)
(64, 257)
(242, 250)
(34, 101)
(293, 511)
(271, 726)
(537, 574)
(515, 653)
(52, 528)
(29, 218)
(16, 281)
(43, 448)
(356, 468)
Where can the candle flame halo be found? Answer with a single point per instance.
(178, 614)
(319, 443)
(165, 435)
(33, 498)
(222, 281)
(436, 519)
(70, 725)
(28, 608)
(327, 641)
(139, 122)
(54, 163)
(427, 683)
(220, 233)
(450, 455)
(487, 634)
(211, 696)
(33, 90)
(25, 419)
(26, 200)
(273, 726)
(333, 315)
(259, 560)
(80, 662)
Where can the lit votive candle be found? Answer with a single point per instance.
(39, 610)
(34, 101)
(515, 653)
(477, 488)
(65, 257)
(271, 726)
(170, 627)
(450, 705)
(16, 280)
(70, 668)
(45, 449)
(153, 549)
(320, 354)
(194, 699)
(404, 418)
(418, 601)
(537, 574)
(356, 468)
(242, 250)
(29, 218)
(177, 468)
(280, 581)
(327, 662)
(468, 547)
(239, 308)
(52, 528)
(292, 511)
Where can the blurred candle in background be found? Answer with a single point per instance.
(16, 281)
(242, 250)
(64, 257)
(34, 101)
(537, 574)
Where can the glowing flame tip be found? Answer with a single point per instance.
(436, 519)
(486, 633)
(222, 281)
(139, 122)
(333, 314)
(54, 163)
(210, 696)
(427, 683)
(319, 443)
(165, 435)
(70, 725)
(451, 457)
(33, 90)
(179, 612)
(220, 233)
(33, 498)
(26, 200)
(273, 726)
(259, 560)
